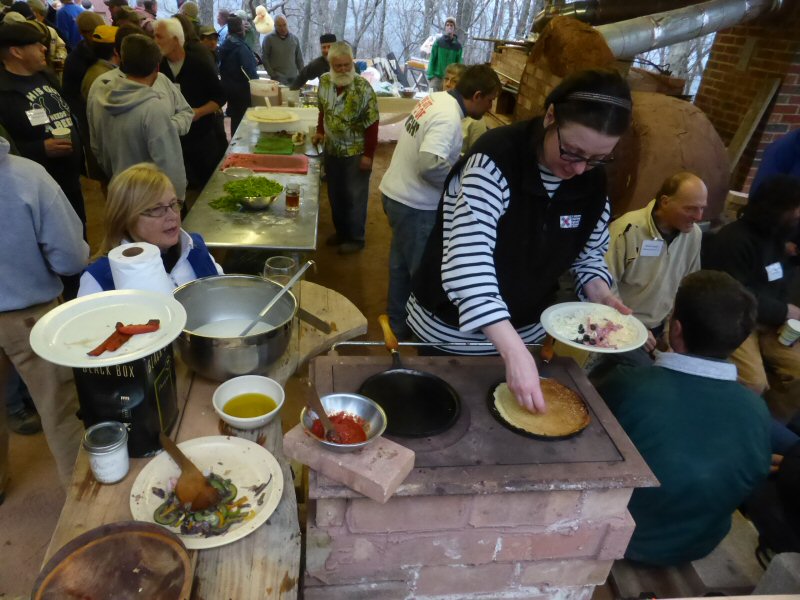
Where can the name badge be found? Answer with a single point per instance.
(570, 221)
(37, 116)
(774, 271)
(651, 248)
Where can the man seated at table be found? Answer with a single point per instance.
(705, 436)
(652, 249)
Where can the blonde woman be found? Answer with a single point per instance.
(142, 207)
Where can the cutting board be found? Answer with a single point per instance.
(274, 144)
(271, 163)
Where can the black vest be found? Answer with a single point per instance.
(538, 238)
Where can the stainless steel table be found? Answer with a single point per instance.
(271, 229)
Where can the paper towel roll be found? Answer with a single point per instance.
(138, 266)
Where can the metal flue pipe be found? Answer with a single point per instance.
(599, 12)
(628, 38)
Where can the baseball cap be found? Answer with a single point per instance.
(88, 20)
(18, 34)
(208, 31)
(128, 14)
(105, 34)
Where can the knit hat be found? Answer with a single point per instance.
(88, 20)
(105, 34)
(190, 9)
(116, 2)
(22, 8)
(450, 20)
(13, 17)
(327, 38)
(126, 13)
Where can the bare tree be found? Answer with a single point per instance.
(340, 19)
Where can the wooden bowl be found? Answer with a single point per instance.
(124, 560)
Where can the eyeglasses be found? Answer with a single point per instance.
(571, 157)
(161, 210)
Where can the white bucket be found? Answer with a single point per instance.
(264, 92)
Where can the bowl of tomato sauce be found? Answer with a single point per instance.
(359, 421)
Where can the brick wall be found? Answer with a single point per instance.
(557, 544)
(742, 60)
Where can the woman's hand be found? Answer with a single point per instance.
(597, 291)
(522, 376)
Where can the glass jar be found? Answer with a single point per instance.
(107, 446)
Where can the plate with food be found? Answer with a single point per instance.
(108, 328)
(263, 114)
(566, 414)
(594, 327)
(247, 476)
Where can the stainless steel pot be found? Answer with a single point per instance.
(217, 309)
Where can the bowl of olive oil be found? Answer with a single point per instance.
(249, 401)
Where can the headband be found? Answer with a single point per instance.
(602, 98)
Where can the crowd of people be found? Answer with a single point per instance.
(484, 225)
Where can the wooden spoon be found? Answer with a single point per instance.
(192, 487)
(331, 433)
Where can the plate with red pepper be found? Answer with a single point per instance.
(108, 328)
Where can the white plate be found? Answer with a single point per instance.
(65, 334)
(271, 115)
(582, 310)
(244, 462)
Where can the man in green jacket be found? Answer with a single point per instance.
(446, 50)
(705, 436)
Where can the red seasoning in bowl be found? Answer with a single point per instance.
(351, 429)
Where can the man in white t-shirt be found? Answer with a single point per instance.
(413, 183)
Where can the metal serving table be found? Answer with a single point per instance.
(270, 229)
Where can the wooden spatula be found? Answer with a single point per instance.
(192, 487)
(315, 404)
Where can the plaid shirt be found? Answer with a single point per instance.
(346, 115)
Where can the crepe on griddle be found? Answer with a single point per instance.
(566, 412)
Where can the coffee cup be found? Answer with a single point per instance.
(61, 133)
(789, 332)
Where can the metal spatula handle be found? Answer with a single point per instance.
(277, 297)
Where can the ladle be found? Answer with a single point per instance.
(192, 487)
(331, 433)
(277, 297)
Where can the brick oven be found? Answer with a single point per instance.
(486, 512)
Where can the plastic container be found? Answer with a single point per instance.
(264, 92)
(107, 446)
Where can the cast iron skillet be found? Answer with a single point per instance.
(417, 404)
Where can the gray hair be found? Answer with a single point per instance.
(174, 27)
(339, 49)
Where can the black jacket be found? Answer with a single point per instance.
(312, 70)
(533, 249)
(744, 250)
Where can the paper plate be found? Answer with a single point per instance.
(65, 334)
(245, 463)
(561, 321)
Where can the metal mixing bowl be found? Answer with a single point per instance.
(228, 303)
(354, 404)
(258, 202)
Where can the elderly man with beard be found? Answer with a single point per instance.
(348, 124)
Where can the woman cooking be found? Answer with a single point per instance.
(142, 207)
(525, 205)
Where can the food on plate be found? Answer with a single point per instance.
(299, 138)
(246, 187)
(210, 522)
(271, 115)
(249, 405)
(352, 429)
(122, 333)
(593, 328)
(566, 412)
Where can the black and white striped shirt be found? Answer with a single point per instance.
(474, 201)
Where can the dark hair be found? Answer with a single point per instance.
(140, 55)
(148, 5)
(478, 78)
(716, 313)
(124, 32)
(103, 50)
(604, 103)
(772, 200)
(235, 26)
(189, 30)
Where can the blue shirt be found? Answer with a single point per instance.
(67, 24)
(781, 157)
